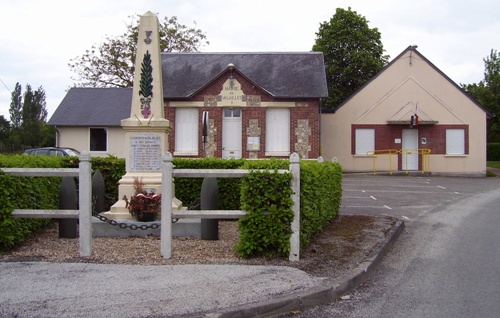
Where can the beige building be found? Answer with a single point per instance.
(409, 117)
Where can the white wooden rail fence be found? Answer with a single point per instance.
(168, 172)
(84, 213)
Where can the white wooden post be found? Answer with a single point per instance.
(166, 205)
(85, 201)
(295, 238)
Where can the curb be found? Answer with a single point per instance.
(327, 292)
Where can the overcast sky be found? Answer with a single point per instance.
(39, 37)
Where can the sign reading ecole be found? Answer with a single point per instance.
(145, 152)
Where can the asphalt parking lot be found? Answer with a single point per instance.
(407, 197)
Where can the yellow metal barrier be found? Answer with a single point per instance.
(403, 152)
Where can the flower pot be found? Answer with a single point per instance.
(145, 216)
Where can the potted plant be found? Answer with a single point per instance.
(143, 205)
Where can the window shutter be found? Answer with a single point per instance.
(278, 130)
(455, 141)
(365, 141)
(186, 130)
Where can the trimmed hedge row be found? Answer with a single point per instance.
(25, 193)
(320, 198)
(493, 152)
(265, 195)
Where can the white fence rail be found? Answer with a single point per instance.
(168, 172)
(84, 213)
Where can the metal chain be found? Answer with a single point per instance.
(123, 225)
(153, 226)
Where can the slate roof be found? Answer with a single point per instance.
(93, 107)
(283, 75)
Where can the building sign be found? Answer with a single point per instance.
(253, 143)
(145, 152)
(231, 94)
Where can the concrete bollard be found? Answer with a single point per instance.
(209, 201)
(67, 201)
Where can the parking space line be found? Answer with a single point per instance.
(371, 196)
(353, 197)
(400, 191)
(366, 206)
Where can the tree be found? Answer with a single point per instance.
(16, 117)
(4, 132)
(487, 93)
(353, 54)
(16, 105)
(34, 114)
(111, 63)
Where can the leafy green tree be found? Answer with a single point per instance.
(34, 115)
(4, 133)
(48, 136)
(111, 63)
(487, 93)
(16, 105)
(16, 118)
(353, 54)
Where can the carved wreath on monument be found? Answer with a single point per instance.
(146, 85)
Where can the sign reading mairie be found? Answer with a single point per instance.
(231, 94)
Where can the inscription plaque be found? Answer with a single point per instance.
(145, 152)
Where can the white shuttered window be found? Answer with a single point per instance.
(186, 131)
(365, 141)
(455, 141)
(278, 131)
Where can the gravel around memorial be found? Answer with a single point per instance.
(346, 243)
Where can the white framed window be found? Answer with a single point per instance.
(365, 141)
(278, 132)
(186, 131)
(98, 139)
(455, 141)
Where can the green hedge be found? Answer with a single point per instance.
(320, 197)
(188, 189)
(43, 192)
(493, 152)
(25, 193)
(265, 230)
(112, 170)
(265, 195)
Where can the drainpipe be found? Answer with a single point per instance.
(319, 125)
(57, 136)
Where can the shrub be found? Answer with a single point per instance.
(25, 193)
(188, 189)
(320, 197)
(266, 229)
(493, 152)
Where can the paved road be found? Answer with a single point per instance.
(446, 263)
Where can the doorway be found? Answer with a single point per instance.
(231, 133)
(410, 149)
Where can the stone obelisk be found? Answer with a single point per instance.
(146, 130)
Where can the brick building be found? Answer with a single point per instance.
(259, 105)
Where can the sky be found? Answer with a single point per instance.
(38, 38)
